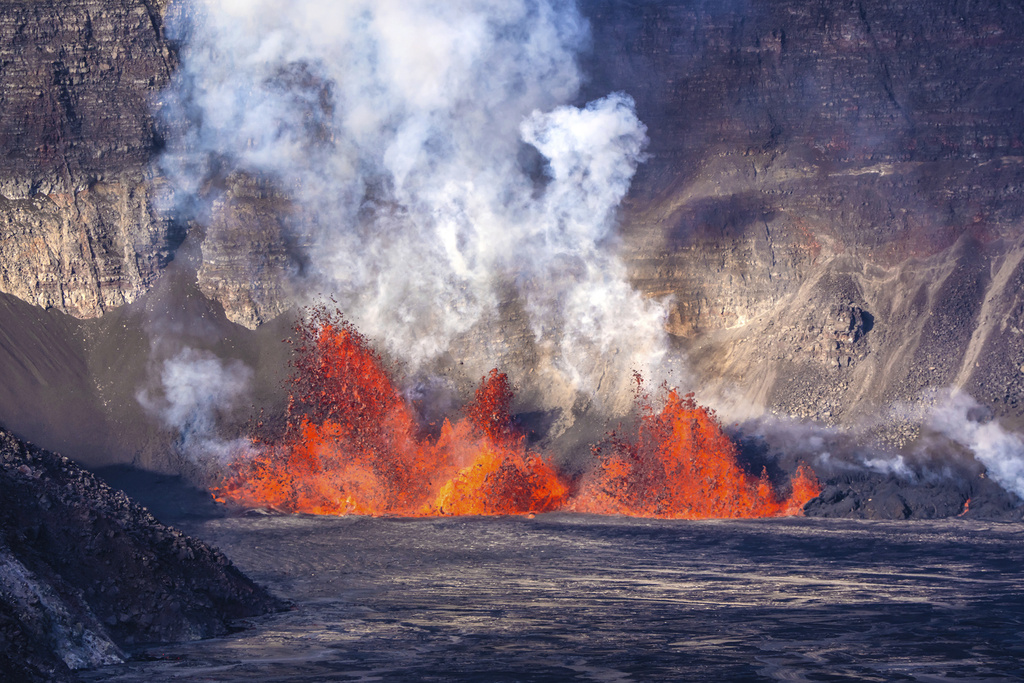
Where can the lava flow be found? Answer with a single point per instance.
(682, 465)
(351, 444)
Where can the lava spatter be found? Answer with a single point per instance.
(504, 476)
(681, 465)
(351, 445)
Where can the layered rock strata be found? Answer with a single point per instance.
(78, 229)
(833, 198)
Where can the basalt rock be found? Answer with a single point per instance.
(966, 492)
(85, 572)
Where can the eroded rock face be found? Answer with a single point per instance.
(86, 251)
(78, 231)
(818, 165)
(249, 256)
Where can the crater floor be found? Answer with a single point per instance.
(582, 598)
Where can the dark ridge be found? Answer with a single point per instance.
(86, 572)
(948, 483)
(871, 495)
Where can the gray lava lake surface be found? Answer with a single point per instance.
(583, 598)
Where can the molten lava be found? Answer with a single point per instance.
(350, 444)
(682, 465)
(503, 476)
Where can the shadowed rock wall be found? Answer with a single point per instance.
(834, 194)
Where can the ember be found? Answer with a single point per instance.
(350, 444)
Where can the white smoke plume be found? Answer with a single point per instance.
(830, 448)
(894, 465)
(961, 418)
(436, 162)
(947, 415)
(196, 390)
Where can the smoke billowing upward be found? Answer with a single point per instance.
(195, 391)
(435, 162)
(962, 419)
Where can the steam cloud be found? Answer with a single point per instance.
(831, 448)
(946, 416)
(196, 389)
(964, 420)
(435, 162)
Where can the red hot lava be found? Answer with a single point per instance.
(681, 464)
(351, 445)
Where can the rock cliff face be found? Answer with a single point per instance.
(833, 198)
(248, 262)
(834, 194)
(78, 231)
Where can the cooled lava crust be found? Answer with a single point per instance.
(85, 571)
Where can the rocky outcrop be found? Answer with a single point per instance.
(84, 252)
(963, 491)
(249, 258)
(78, 228)
(84, 572)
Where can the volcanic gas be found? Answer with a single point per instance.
(350, 443)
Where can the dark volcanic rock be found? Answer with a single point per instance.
(939, 479)
(85, 571)
(78, 78)
(960, 490)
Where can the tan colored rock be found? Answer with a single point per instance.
(83, 252)
(248, 263)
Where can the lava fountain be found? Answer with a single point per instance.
(350, 444)
(680, 464)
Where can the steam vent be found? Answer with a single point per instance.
(531, 340)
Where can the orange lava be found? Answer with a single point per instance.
(681, 465)
(350, 444)
(504, 476)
